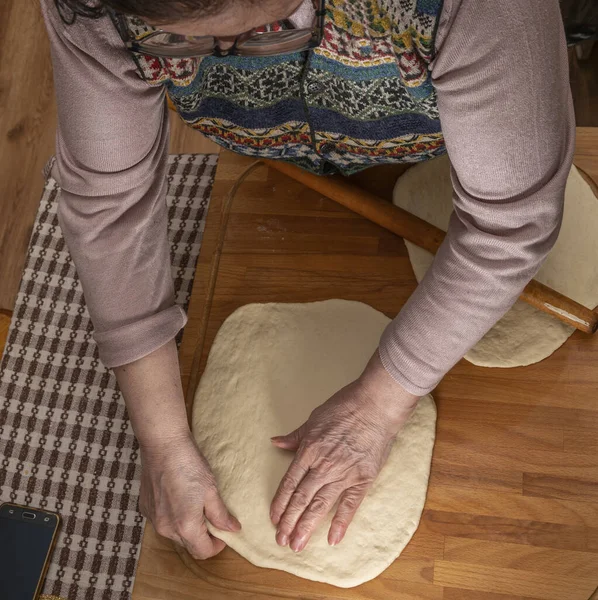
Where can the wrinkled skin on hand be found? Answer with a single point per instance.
(340, 450)
(178, 492)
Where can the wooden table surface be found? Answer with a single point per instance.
(512, 507)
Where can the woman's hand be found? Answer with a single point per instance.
(178, 492)
(340, 450)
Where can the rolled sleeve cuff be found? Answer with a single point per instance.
(396, 363)
(131, 342)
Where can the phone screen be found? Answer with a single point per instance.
(24, 545)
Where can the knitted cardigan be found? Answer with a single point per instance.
(363, 97)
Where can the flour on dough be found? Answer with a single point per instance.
(269, 367)
(524, 335)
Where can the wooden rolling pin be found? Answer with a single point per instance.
(429, 237)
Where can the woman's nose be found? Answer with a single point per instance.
(224, 43)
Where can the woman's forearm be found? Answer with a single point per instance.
(153, 394)
(509, 128)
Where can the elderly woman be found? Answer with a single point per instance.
(331, 86)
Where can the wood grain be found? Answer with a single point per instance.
(566, 563)
(566, 488)
(545, 586)
(517, 531)
(27, 125)
(580, 442)
(5, 317)
(540, 460)
(510, 504)
(461, 594)
(511, 512)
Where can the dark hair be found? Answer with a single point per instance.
(155, 10)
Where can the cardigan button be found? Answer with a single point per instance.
(327, 147)
(314, 87)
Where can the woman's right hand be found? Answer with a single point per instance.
(178, 492)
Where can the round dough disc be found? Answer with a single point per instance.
(269, 367)
(524, 335)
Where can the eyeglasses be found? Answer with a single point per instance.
(267, 40)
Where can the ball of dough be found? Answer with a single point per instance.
(524, 335)
(269, 367)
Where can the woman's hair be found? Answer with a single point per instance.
(155, 10)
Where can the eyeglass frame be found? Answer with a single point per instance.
(136, 46)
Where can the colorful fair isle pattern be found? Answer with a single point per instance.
(65, 440)
(363, 97)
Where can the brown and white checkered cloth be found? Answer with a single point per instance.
(66, 443)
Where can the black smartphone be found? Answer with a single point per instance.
(27, 537)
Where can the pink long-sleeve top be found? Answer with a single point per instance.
(501, 76)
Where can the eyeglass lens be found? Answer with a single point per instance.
(168, 40)
(274, 41)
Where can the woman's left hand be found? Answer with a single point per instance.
(340, 450)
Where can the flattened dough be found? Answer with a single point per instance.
(524, 335)
(269, 367)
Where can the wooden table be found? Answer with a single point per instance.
(512, 507)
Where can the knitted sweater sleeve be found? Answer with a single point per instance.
(501, 76)
(111, 151)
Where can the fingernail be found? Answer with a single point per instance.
(274, 518)
(236, 523)
(298, 543)
(335, 537)
(282, 538)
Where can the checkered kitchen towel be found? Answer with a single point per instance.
(66, 444)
